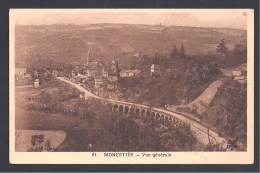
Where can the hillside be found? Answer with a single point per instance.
(227, 113)
(70, 43)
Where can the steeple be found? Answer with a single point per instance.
(88, 56)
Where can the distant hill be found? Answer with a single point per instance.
(70, 43)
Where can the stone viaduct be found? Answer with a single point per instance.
(144, 111)
(202, 133)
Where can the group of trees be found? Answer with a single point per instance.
(220, 49)
(48, 101)
(178, 80)
(178, 53)
(180, 76)
(39, 144)
(223, 49)
(147, 134)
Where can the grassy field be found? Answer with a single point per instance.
(35, 120)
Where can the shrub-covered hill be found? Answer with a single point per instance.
(227, 113)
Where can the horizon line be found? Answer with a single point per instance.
(131, 24)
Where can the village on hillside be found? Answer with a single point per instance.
(40, 88)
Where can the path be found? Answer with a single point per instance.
(201, 104)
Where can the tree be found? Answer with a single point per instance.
(239, 48)
(182, 52)
(175, 52)
(127, 131)
(221, 47)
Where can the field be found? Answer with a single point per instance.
(54, 126)
(29, 122)
(76, 133)
(70, 43)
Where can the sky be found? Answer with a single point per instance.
(195, 18)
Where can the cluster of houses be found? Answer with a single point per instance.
(92, 74)
(32, 75)
(95, 74)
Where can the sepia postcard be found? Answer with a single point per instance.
(131, 86)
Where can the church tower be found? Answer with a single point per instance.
(88, 56)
